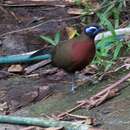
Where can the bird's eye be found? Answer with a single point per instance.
(90, 30)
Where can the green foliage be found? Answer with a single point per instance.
(106, 23)
(109, 49)
(77, 2)
(48, 39)
(57, 38)
(54, 41)
(86, 5)
(111, 11)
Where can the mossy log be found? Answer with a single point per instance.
(43, 122)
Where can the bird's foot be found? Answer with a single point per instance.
(73, 84)
(73, 88)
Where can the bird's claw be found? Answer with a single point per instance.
(73, 88)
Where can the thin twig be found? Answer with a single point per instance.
(31, 68)
(78, 116)
(28, 29)
(99, 98)
(33, 4)
(61, 116)
(127, 66)
(14, 15)
(4, 10)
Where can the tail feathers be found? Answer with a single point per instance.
(40, 52)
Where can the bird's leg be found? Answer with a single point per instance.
(73, 83)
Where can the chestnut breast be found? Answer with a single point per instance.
(82, 53)
(73, 55)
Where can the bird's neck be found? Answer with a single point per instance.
(84, 36)
(87, 38)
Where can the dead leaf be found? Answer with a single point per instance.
(89, 121)
(75, 11)
(91, 69)
(71, 32)
(15, 68)
(4, 106)
(127, 60)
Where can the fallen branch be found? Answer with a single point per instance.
(122, 34)
(31, 68)
(79, 116)
(43, 122)
(33, 3)
(99, 98)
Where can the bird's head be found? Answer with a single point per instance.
(92, 30)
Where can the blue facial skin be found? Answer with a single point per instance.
(92, 30)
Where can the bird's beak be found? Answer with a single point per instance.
(101, 30)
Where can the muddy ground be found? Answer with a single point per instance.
(25, 96)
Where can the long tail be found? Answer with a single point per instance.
(26, 57)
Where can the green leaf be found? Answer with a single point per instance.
(106, 42)
(117, 51)
(108, 49)
(57, 38)
(77, 2)
(48, 39)
(108, 10)
(116, 17)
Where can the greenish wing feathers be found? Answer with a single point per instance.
(62, 58)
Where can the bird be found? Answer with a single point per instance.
(75, 54)
(72, 55)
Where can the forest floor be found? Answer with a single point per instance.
(41, 93)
